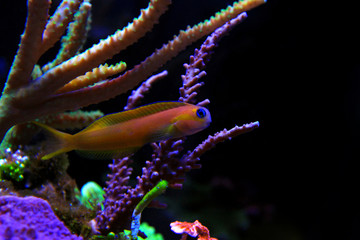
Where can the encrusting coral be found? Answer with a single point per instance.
(34, 220)
(76, 79)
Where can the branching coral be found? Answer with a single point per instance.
(74, 80)
(31, 92)
(167, 162)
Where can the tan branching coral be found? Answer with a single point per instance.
(28, 95)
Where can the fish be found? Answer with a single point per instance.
(122, 134)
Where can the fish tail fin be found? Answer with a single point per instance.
(58, 142)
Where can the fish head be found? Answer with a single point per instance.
(192, 120)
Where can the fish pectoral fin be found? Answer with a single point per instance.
(163, 134)
(107, 154)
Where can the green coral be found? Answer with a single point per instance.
(91, 195)
(144, 227)
(13, 165)
(150, 232)
(145, 201)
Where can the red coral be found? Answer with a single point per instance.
(193, 229)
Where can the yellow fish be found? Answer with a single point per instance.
(120, 134)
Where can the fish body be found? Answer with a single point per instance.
(120, 134)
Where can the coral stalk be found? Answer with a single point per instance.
(138, 94)
(147, 199)
(221, 136)
(57, 24)
(74, 40)
(28, 53)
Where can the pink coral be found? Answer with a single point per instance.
(192, 229)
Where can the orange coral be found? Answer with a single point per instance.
(193, 229)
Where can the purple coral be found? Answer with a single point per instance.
(30, 218)
(167, 162)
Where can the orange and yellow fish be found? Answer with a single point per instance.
(121, 134)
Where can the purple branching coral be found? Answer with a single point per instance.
(168, 161)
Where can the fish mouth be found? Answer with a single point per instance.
(208, 121)
(206, 125)
(199, 129)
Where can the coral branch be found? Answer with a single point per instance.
(71, 120)
(96, 75)
(143, 70)
(29, 50)
(100, 52)
(200, 58)
(74, 40)
(138, 94)
(221, 136)
(147, 199)
(58, 22)
(116, 196)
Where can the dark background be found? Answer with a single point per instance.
(293, 67)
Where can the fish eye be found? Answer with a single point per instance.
(201, 113)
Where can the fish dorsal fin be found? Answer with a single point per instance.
(139, 112)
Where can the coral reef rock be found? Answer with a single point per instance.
(30, 218)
